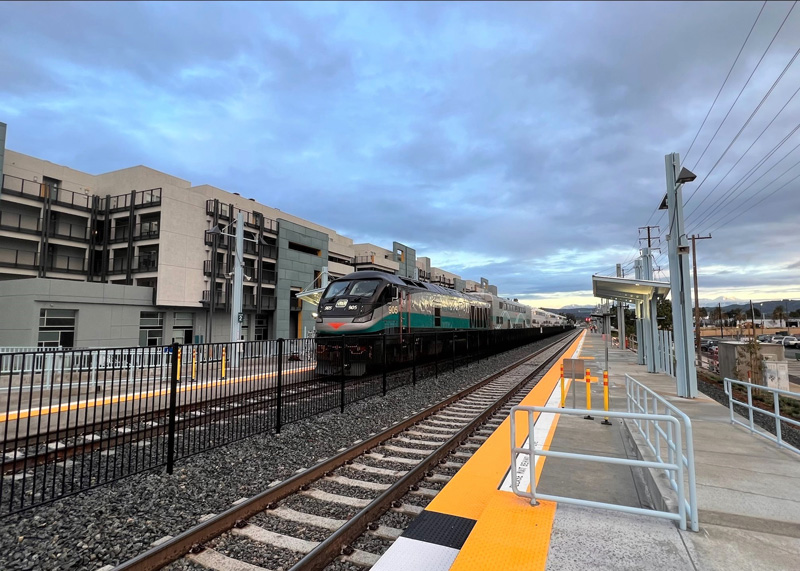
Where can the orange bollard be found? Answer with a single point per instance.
(588, 395)
(563, 394)
(223, 362)
(194, 363)
(605, 398)
(180, 354)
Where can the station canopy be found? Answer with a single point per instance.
(627, 290)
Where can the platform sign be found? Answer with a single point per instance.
(574, 367)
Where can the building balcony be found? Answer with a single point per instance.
(219, 298)
(40, 191)
(137, 264)
(19, 259)
(268, 303)
(140, 199)
(64, 231)
(20, 223)
(66, 264)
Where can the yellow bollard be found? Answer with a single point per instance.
(223, 362)
(194, 363)
(588, 394)
(180, 353)
(563, 394)
(605, 398)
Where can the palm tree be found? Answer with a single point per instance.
(779, 313)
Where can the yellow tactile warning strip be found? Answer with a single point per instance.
(128, 397)
(510, 533)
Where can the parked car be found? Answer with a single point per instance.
(777, 339)
(791, 341)
(764, 338)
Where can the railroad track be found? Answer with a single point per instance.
(369, 491)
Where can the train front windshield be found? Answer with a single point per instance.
(362, 288)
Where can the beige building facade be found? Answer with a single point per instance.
(64, 232)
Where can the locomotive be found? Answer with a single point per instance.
(356, 309)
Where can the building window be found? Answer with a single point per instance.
(151, 328)
(305, 249)
(183, 327)
(57, 327)
(437, 317)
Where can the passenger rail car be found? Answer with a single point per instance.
(355, 310)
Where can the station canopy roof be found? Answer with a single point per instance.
(627, 290)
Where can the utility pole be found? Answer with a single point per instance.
(721, 331)
(649, 237)
(696, 293)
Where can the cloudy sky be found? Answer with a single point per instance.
(521, 142)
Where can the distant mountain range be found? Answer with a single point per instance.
(767, 307)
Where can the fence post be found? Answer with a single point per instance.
(384, 362)
(173, 399)
(278, 406)
(413, 359)
(341, 364)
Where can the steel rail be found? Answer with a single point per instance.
(192, 539)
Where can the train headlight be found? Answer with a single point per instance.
(363, 318)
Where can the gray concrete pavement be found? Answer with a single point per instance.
(747, 489)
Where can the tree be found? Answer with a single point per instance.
(664, 310)
(716, 314)
(779, 314)
(741, 316)
(756, 312)
(703, 312)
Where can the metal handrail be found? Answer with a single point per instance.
(529, 448)
(775, 414)
(641, 399)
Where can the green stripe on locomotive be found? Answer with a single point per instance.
(418, 321)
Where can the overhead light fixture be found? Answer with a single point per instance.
(685, 176)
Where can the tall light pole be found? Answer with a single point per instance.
(238, 283)
(679, 275)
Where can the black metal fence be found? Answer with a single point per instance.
(72, 420)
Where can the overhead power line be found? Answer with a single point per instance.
(686, 154)
(752, 73)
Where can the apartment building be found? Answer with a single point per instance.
(126, 258)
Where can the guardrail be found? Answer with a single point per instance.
(529, 448)
(642, 400)
(775, 414)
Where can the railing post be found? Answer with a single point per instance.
(383, 338)
(279, 403)
(341, 364)
(776, 401)
(413, 359)
(750, 406)
(173, 399)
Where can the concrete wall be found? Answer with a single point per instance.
(406, 258)
(108, 315)
(296, 270)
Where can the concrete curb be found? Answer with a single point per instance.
(662, 495)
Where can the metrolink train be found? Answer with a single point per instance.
(363, 305)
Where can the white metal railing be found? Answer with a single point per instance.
(60, 359)
(775, 413)
(642, 400)
(529, 448)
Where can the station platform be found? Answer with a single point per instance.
(747, 492)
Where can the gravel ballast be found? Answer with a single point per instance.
(112, 524)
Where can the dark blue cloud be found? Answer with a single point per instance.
(522, 142)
